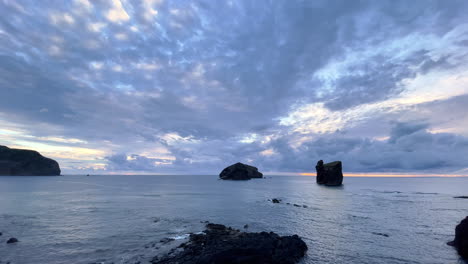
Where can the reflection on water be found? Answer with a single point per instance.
(79, 219)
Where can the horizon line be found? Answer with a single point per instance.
(307, 174)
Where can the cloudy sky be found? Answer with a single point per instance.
(159, 86)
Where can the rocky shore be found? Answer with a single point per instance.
(219, 244)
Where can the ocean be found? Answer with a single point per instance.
(120, 219)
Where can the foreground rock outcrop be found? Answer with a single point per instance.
(20, 162)
(240, 171)
(461, 239)
(330, 174)
(219, 244)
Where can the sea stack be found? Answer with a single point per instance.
(21, 162)
(461, 239)
(329, 174)
(240, 171)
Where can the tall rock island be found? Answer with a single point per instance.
(329, 174)
(240, 171)
(21, 162)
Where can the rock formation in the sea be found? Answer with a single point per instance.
(240, 171)
(220, 244)
(461, 239)
(12, 240)
(329, 174)
(276, 200)
(20, 162)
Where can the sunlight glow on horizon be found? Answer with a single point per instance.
(352, 174)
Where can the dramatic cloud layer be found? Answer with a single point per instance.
(157, 86)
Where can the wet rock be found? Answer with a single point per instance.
(220, 244)
(276, 200)
(1, 233)
(380, 234)
(166, 240)
(329, 174)
(21, 162)
(461, 239)
(246, 226)
(12, 240)
(240, 171)
(296, 205)
(461, 197)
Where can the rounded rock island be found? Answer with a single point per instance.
(240, 171)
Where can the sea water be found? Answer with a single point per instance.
(113, 219)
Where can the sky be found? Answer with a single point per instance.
(190, 87)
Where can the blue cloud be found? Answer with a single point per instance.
(125, 75)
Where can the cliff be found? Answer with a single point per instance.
(20, 162)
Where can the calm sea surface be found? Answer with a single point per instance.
(119, 219)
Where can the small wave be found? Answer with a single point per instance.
(391, 192)
(447, 209)
(10, 216)
(397, 260)
(151, 195)
(184, 236)
(188, 194)
(361, 217)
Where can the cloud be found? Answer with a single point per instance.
(401, 130)
(117, 13)
(123, 162)
(411, 148)
(215, 82)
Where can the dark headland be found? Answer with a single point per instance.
(21, 162)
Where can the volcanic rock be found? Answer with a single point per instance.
(240, 171)
(461, 239)
(329, 174)
(12, 240)
(219, 244)
(380, 234)
(20, 162)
